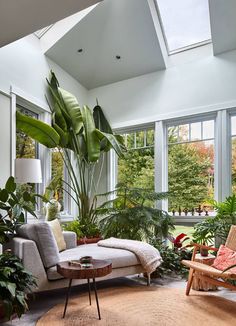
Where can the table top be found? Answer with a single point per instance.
(99, 268)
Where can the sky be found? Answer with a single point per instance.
(186, 22)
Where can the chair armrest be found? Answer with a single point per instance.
(70, 239)
(204, 247)
(28, 252)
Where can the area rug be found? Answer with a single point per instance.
(143, 306)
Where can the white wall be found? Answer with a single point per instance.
(24, 67)
(4, 139)
(198, 86)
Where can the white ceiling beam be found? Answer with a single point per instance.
(156, 21)
(19, 18)
(223, 25)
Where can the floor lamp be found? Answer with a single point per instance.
(28, 170)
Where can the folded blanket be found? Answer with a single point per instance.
(149, 256)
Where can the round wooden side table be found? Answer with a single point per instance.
(73, 270)
(198, 284)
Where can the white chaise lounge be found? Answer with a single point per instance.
(35, 245)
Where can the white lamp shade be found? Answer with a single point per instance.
(28, 170)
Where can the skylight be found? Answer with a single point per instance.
(42, 31)
(185, 23)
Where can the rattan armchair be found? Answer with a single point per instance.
(209, 273)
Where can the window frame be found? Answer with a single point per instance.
(222, 155)
(181, 49)
(19, 98)
(188, 121)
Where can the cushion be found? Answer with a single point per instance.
(42, 235)
(224, 259)
(57, 232)
(120, 258)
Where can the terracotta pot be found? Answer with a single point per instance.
(86, 240)
(2, 313)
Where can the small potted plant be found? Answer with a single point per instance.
(16, 283)
(86, 233)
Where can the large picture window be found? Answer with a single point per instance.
(191, 168)
(233, 156)
(136, 169)
(26, 147)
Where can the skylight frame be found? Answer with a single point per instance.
(181, 49)
(42, 31)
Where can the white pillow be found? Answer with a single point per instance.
(57, 232)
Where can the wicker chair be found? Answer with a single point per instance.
(209, 273)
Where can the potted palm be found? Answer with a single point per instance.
(132, 214)
(84, 132)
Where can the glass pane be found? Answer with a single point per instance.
(26, 147)
(233, 126)
(185, 22)
(130, 141)
(57, 173)
(136, 169)
(196, 131)
(208, 129)
(234, 165)
(139, 139)
(191, 177)
(150, 137)
(184, 132)
(173, 134)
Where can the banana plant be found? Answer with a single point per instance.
(78, 129)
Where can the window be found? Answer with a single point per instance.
(26, 147)
(136, 169)
(185, 23)
(233, 156)
(191, 168)
(57, 173)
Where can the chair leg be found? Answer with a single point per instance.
(190, 281)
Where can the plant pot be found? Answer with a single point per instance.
(3, 317)
(204, 252)
(86, 240)
(2, 313)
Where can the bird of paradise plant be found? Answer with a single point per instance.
(85, 133)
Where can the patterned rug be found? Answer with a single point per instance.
(149, 306)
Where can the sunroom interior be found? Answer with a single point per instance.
(163, 74)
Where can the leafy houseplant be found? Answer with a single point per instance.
(15, 282)
(218, 226)
(172, 258)
(85, 233)
(13, 205)
(84, 132)
(130, 215)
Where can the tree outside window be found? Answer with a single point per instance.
(191, 167)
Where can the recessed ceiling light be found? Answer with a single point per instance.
(118, 57)
(80, 50)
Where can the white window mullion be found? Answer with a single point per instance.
(226, 155)
(161, 162)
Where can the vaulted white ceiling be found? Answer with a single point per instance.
(19, 18)
(223, 25)
(113, 28)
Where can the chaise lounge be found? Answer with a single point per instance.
(35, 245)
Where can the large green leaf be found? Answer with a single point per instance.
(73, 109)
(38, 130)
(100, 120)
(111, 140)
(10, 185)
(91, 138)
